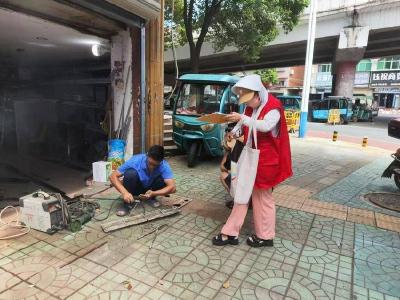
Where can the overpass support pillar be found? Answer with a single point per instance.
(344, 74)
(352, 44)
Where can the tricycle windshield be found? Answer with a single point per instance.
(289, 102)
(199, 98)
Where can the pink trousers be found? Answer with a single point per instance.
(263, 214)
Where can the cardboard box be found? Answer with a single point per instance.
(215, 118)
(101, 171)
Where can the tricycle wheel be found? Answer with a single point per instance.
(192, 155)
(397, 180)
(342, 121)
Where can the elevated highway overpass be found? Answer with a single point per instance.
(375, 33)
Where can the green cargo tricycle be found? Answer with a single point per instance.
(362, 109)
(201, 94)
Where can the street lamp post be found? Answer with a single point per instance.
(308, 68)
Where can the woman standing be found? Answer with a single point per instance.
(265, 113)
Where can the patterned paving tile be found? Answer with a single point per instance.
(111, 253)
(48, 238)
(387, 258)
(131, 234)
(348, 190)
(377, 267)
(207, 283)
(231, 257)
(196, 225)
(11, 246)
(80, 242)
(41, 251)
(361, 293)
(173, 241)
(188, 271)
(328, 270)
(332, 235)
(113, 285)
(268, 284)
(25, 291)
(377, 277)
(250, 278)
(368, 235)
(229, 291)
(62, 282)
(7, 280)
(293, 224)
(45, 273)
(283, 256)
(146, 265)
(303, 288)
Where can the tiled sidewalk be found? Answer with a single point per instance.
(323, 250)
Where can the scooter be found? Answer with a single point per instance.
(394, 169)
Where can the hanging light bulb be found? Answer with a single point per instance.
(99, 50)
(96, 50)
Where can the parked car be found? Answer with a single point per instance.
(394, 128)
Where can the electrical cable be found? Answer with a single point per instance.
(112, 206)
(64, 210)
(5, 225)
(109, 210)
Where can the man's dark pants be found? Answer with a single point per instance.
(133, 185)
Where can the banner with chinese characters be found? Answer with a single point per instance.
(385, 78)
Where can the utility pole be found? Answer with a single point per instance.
(308, 68)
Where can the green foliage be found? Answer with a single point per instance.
(246, 24)
(268, 75)
(176, 24)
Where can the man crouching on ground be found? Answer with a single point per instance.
(148, 175)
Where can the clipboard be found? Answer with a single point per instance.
(214, 118)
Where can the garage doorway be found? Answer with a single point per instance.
(54, 104)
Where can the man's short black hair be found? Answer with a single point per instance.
(156, 152)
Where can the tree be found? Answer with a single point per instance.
(246, 24)
(268, 75)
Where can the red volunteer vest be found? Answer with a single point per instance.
(275, 163)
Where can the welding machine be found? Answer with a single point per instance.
(42, 212)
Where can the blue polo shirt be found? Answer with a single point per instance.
(139, 163)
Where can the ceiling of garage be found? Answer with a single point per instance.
(31, 40)
(45, 32)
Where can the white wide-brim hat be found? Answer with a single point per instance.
(246, 87)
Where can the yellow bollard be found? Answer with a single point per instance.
(334, 137)
(365, 141)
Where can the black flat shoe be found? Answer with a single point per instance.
(231, 240)
(254, 241)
